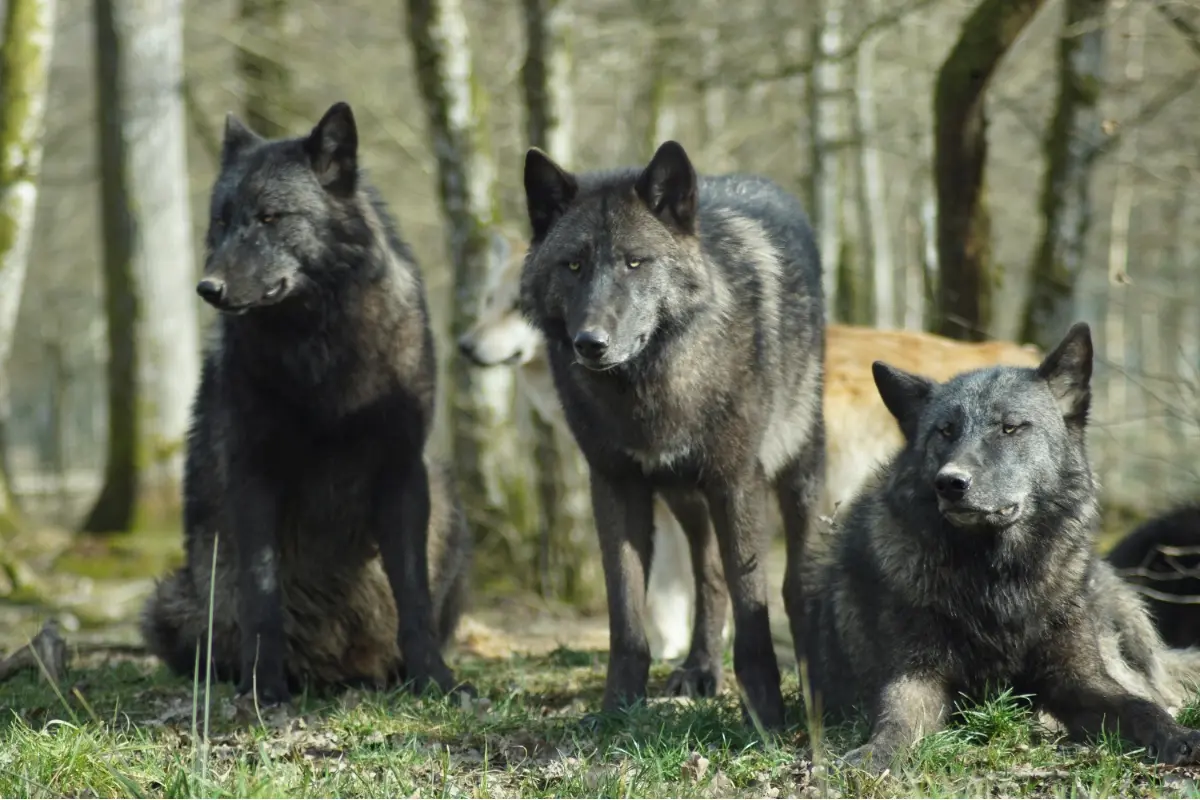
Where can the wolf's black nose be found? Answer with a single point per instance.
(952, 483)
(211, 290)
(591, 344)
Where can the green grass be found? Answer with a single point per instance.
(122, 726)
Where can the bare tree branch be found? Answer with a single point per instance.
(796, 69)
(1152, 108)
(1184, 27)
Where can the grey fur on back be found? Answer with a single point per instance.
(306, 447)
(967, 564)
(684, 325)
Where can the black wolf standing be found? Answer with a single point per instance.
(684, 323)
(969, 563)
(306, 445)
(1174, 580)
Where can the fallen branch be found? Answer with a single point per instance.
(46, 652)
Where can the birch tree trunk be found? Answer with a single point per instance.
(268, 98)
(826, 139)
(1117, 398)
(872, 197)
(564, 498)
(164, 262)
(24, 81)
(960, 138)
(1074, 141)
(114, 507)
(492, 467)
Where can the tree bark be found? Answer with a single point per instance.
(872, 197)
(1074, 141)
(563, 492)
(492, 467)
(827, 121)
(114, 507)
(1114, 403)
(151, 72)
(546, 78)
(268, 99)
(24, 82)
(960, 137)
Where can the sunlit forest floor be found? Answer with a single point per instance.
(119, 725)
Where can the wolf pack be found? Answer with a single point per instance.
(936, 500)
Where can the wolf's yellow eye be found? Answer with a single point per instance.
(1008, 429)
(573, 266)
(633, 263)
(266, 219)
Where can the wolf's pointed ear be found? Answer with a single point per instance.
(1068, 371)
(668, 187)
(332, 149)
(549, 189)
(237, 138)
(904, 394)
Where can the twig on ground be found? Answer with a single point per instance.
(47, 651)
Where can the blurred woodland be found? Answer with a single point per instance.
(976, 168)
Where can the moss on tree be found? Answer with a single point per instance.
(24, 77)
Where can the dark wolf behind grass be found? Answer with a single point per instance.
(1170, 583)
(684, 325)
(306, 447)
(968, 565)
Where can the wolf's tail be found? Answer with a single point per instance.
(174, 624)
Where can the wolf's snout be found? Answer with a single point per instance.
(591, 344)
(211, 290)
(952, 484)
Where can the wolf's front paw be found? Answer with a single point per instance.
(1179, 746)
(269, 693)
(867, 757)
(703, 680)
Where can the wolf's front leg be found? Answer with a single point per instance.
(738, 509)
(252, 514)
(402, 531)
(624, 513)
(910, 706)
(700, 673)
(1077, 689)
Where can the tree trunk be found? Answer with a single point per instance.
(114, 508)
(24, 81)
(267, 95)
(151, 72)
(563, 490)
(1074, 141)
(546, 78)
(872, 196)
(1116, 400)
(492, 466)
(826, 90)
(960, 137)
